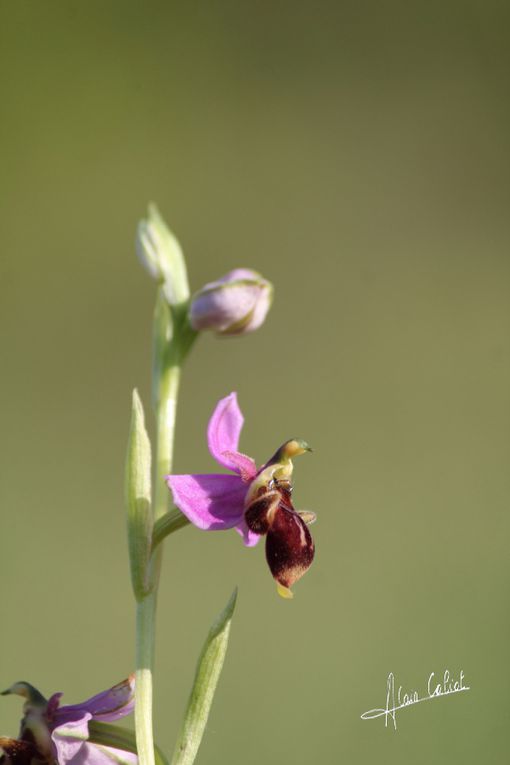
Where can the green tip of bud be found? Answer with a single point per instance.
(26, 691)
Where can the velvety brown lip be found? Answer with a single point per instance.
(260, 512)
(289, 545)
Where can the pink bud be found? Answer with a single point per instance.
(233, 305)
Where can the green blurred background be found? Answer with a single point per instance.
(357, 154)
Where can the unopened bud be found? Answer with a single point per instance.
(160, 254)
(233, 305)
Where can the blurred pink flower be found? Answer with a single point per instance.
(52, 733)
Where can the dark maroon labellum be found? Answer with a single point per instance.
(289, 547)
(289, 544)
(260, 511)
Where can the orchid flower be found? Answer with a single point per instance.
(254, 502)
(52, 733)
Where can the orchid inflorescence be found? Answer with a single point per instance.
(255, 501)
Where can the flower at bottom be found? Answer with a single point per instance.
(53, 734)
(254, 502)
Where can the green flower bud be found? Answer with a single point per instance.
(160, 254)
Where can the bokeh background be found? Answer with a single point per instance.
(357, 154)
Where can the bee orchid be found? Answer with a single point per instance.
(255, 502)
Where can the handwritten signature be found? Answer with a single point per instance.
(399, 700)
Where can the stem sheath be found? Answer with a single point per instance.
(166, 377)
(166, 525)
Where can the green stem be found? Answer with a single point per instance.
(165, 415)
(166, 525)
(166, 373)
(145, 617)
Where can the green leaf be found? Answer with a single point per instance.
(138, 500)
(207, 675)
(105, 734)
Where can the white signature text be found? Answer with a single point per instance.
(398, 699)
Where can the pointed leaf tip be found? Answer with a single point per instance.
(207, 675)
